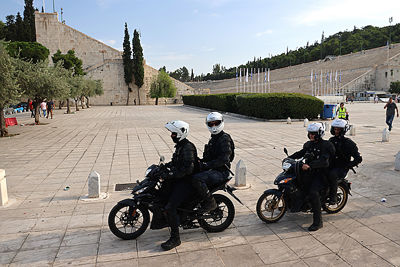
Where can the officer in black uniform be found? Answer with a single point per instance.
(318, 154)
(345, 150)
(217, 157)
(181, 168)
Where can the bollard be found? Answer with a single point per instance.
(3, 188)
(289, 120)
(352, 130)
(305, 122)
(240, 174)
(397, 162)
(385, 135)
(94, 185)
(327, 127)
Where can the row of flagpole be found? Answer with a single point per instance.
(325, 83)
(249, 82)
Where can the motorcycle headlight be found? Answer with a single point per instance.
(147, 171)
(286, 166)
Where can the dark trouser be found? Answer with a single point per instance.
(181, 190)
(315, 185)
(334, 175)
(32, 113)
(389, 121)
(202, 180)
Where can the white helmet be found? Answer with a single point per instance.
(215, 122)
(340, 123)
(181, 129)
(318, 128)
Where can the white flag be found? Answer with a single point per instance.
(247, 75)
(240, 75)
(311, 75)
(336, 76)
(268, 74)
(258, 76)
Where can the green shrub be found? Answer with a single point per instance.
(266, 106)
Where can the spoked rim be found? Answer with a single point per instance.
(271, 207)
(341, 201)
(218, 216)
(219, 219)
(128, 220)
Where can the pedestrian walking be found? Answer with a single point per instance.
(43, 108)
(375, 99)
(31, 108)
(390, 107)
(342, 112)
(50, 107)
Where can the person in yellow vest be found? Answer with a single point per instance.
(342, 113)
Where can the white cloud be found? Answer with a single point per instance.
(337, 10)
(259, 34)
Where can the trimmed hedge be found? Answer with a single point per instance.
(266, 106)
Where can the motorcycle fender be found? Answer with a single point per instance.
(274, 191)
(347, 187)
(230, 190)
(128, 201)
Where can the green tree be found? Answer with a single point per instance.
(19, 28)
(40, 82)
(127, 60)
(11, 31)
(395, 87)
(28, 51)
(69, 61)
(10, 91)
(138, 68)
(162, 86)
(192, 76)
(92, 88)
(29, 22)
(2, 30)
(77, 84)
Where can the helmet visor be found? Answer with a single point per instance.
(213, 123)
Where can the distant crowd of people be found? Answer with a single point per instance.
(46, 108)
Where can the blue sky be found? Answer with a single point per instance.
(199, 33)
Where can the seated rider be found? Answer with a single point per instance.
(181, 168)
(345, 150)
(318, 154)
(217, 157)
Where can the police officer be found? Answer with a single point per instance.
(345, 150)
(318, 154)
(217, 157)
(181, 168)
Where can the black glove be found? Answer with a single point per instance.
(203, 166)
(168, 175)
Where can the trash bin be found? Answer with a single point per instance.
(329, 111)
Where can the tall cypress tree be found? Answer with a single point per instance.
(11, 32)
(19, 28)
(127, 60)
(29, 21)
(138, 69)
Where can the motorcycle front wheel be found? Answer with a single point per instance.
(270, 206)
(128, 222)
(219, 219)
(342, 197)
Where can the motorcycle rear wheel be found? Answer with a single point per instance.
(222, 216)
(128, 222)
(342, 197)
(271, 207)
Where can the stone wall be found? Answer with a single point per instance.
(100, 62)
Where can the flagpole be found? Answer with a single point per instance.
(269, 82)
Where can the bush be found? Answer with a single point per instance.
(266, 106)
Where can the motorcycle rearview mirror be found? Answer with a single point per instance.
(286, 152)
(162, 159)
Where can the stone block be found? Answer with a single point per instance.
(327, 127)
(289, 120)
(352, 130)
(305, 122)
(385, 135)
(3, 188)
(94, 185)
(240, 174)
(397, 162)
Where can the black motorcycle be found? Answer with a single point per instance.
(273, 203)
(130, 217)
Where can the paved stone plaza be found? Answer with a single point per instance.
(47, 225)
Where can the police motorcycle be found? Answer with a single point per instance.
(273, 203)
(130, 217)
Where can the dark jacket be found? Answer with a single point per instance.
(319, 155)
(183, 160)
(345, 149)
(218, 152)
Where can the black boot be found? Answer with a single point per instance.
(173, 241)
(317, 222)
(209, 203)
